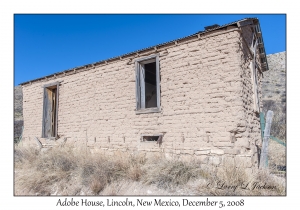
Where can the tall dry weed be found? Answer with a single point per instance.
(63, 171)
(169, 173)
(233, 179)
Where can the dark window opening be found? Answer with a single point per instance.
(150, 138)
(150, 85)
(147, 84)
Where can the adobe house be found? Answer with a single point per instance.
(195, 97)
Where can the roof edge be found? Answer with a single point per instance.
(137, 52)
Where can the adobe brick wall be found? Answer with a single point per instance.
(206, 97)
(250, 139)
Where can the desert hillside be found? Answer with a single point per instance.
(18, 111)
(274, 80)
(274, 93)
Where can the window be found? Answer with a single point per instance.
(150, 138)
(147, 85)
(157, 138)
(50, 106)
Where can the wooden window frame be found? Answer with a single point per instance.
(254, 70)
(255, 82)
(54, 85)
(140, 84)
(254, 78)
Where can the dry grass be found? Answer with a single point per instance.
(170, 173)
(233, 180)
(277, 158)
(62, 171)
(38, 173)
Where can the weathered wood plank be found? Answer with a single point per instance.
(254, 77)
(262, 123)
(157, 83)
(56, 111)
(265, 144)
(244, 23)
(148, 110)
(52, 84)
(137, 85)
(53, 116)
(48, 113)
(142, 84)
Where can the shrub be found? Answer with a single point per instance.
(63, 171)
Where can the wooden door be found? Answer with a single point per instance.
(49, 112)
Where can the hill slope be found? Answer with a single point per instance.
(274, 80)
(274, 93)
(18, 111)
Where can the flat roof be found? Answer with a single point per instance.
(239, 23)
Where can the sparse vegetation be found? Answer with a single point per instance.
(277, 157)
(64, 171)
(274, 93)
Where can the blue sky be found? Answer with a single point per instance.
(45, 44)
